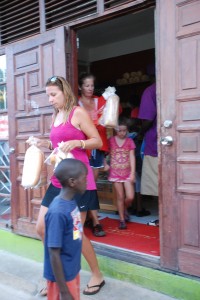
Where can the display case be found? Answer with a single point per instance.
(106, 193)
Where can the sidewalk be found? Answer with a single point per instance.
(20, 279)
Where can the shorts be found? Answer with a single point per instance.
(88, 201)
(97, 159)
(73, 286)
(149, 180)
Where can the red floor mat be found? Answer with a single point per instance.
(137, 237)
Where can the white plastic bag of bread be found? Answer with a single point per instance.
(32, 175)
(57, 155)
(110, 114)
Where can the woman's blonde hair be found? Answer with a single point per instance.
(70, 99)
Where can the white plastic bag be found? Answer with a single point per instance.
(57, 155)
(110, 114)
(32, 169)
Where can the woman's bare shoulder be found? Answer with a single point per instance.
(80, 111)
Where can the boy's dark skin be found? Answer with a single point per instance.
(71, 185)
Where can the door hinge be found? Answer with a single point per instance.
(77, 42)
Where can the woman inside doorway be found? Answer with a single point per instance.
(94, 106)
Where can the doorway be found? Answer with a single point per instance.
(119, 53)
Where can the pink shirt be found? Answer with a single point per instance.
(120, 160)
(68, 132)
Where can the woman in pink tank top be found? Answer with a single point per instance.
(72, 126)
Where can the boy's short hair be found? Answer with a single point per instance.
(69, 168)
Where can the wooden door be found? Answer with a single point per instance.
(29, 64)
(178, 87)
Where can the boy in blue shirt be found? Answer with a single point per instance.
(63, 233)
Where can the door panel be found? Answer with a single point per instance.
(178, 93)
(29, 64)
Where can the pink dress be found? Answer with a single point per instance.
(120, 160)
(66, 133)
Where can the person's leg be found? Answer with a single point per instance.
(96, 173)
(129, 196)
(93, 214)
(119, 188)
(40, 228)
(74, 287)
(50, 194)
(40, 225)
(53, 291)
(90, 256)
(97, 163)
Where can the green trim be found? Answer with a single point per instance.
(169, 284)
(22, 246)
(173, 285)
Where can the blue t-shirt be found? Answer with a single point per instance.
(63, 229)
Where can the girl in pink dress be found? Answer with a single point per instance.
(122, 170)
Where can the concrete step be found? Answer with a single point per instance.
(21, 278)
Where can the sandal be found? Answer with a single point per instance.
(122, 225)
(98, 286)
(43, 292)
(98, 230)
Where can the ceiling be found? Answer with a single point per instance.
(121, 28)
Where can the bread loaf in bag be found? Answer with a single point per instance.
(32, 169)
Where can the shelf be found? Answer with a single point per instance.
(133, 83)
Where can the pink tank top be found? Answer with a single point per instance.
(66, 132)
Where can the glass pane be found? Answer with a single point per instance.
(3, 101)
(4, 154)
(2, 68)
(3, 127)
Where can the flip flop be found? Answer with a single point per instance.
(98, 286)
(43, 292)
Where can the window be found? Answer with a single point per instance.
(3, 101)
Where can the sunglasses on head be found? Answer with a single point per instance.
(55, 79)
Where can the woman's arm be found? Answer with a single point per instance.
(82, 121)
(57, 268)
(132, 164)
(86, 125)
(41, 143)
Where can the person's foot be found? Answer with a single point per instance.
(143, 213)
(43, 288)
(94, 285)
(122, 225)
(98, 230)
(94, 289)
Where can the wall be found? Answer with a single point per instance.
(123, 47)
